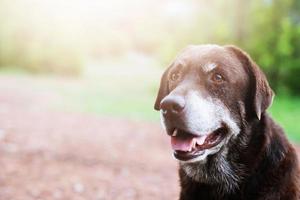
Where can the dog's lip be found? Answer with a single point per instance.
(187, 145)
(185, 156)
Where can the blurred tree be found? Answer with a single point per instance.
(241, 17)
(274, 42)
(267, 29)
(56, 40)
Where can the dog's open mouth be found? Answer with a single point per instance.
(187, 146)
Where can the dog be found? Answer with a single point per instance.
(213, 101)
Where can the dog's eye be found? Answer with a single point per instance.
(218, 78)
(175, 76)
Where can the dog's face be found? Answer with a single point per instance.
(205, 95)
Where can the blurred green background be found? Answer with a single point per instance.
(110, 55)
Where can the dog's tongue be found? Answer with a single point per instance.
(186, 143)
(183, 143)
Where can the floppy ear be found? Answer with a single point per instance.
(163, 90)
(263, 94)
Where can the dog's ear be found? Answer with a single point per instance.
(163, 89)
(262, 96)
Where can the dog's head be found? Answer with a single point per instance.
(205, 95)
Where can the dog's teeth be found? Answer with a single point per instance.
(175, 133)
(193, 145)
(201, 140)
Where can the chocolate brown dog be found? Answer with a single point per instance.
(213, 102)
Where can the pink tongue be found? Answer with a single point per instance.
(182, 143)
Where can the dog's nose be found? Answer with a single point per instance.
(172, 104)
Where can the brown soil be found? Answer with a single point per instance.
(46, 154)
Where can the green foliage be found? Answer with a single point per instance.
(37, 56)
(37, 49)
(286, 111)
(59, 41)
(274, 42)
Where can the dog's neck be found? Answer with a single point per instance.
(225, 173)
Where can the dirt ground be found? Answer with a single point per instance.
(47, 154)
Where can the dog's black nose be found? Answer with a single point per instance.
(172, 104)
